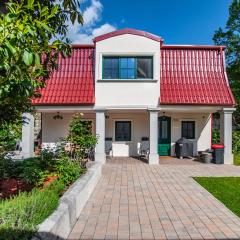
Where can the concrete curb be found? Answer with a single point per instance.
(60, 223)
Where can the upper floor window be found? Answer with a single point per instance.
(127, 67)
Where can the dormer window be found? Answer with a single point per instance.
(127, 67)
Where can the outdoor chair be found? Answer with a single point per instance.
(108, 147)
(143, 147)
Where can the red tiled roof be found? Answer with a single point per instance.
(194, 75)
(189, 75)
(73, 82)
(128, 31)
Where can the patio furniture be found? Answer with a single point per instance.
(143, 146)
(108, 147)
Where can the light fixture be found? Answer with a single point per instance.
(57, 116)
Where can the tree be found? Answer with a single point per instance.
(230, 37)
(26, 57)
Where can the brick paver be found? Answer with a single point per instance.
(136, 201)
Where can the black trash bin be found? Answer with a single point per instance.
(218, 151)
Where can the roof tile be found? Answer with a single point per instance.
(194, 76)
(72, 82)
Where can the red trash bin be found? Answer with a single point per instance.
(218, 152)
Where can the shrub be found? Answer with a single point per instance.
(7, 168)
(20, 215)
(237, 159)
(32, 170)
(80, 134)
(68, 170)
(236, 142)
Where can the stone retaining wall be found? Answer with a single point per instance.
(60, 223)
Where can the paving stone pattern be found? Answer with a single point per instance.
(136, 201)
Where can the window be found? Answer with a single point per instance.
(110, 70)
(127, 67)
(122, 131)
(188, 129)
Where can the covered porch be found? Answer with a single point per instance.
(124, 130)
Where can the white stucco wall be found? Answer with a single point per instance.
(127, 93)
(139, 128)
(53, 130)
(202, 127)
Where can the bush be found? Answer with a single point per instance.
(237, 159)
(20, 215)
(68, 170)
(7, 167)
(80, 135)
(236, 142)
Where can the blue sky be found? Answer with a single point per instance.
(176, 21)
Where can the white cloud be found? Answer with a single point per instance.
(105, 28)
(87, 38)
(91, 15)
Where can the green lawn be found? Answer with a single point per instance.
(225, 189)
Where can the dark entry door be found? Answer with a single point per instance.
(164, 136)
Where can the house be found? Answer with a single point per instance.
(133, 86)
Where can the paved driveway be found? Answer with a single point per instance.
(136, 201)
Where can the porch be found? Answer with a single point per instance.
(127, 128)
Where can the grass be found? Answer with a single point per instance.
(237, 159)
(20, 215)
(225, 189)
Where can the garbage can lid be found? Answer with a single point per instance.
(217, 146)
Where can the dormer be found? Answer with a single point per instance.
(127, 68)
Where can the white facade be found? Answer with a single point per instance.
(135, 101)
(126, 93)
(54, 130)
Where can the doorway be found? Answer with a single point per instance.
(164, 136)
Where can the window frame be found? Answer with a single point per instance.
(135, 67)
(194, 128)
(115, 128)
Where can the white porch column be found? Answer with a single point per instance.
(153, 120)
(28, 136)
(226, 133)
(100, 155)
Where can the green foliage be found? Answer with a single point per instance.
(8, 168)
(236, 142)
(20, 215)
(230, 37)
(225, 189)
(236, 160)
(80, 134)
(8, 135)
(215, 136)
(68, 170)
(35, 170)
(26, 58)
